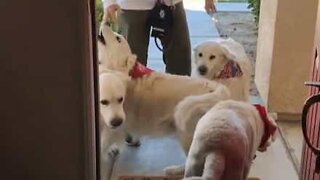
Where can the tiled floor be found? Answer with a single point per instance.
(155, 154)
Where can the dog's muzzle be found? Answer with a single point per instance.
(116, 122)
(202, 70)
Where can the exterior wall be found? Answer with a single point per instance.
(268, 13)
(284, 53)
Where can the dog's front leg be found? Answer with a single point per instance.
(106, 164)
(110, 142)
(106, 159)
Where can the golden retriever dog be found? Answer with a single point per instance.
(226, 139)
(225, 61)
(112, 93)
(151, 98)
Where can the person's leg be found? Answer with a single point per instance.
(178, 55)
(133, 26)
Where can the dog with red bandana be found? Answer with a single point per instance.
(224, 61)
(226, 139)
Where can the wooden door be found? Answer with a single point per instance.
(308, 163)
(47, 90)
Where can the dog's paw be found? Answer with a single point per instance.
(193, 178)
(132, 142)
(174, 170)
(113, 153)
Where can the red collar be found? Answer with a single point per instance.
(269, 127)
(139, 70)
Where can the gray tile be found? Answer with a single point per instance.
(156, 154)
(150, 158)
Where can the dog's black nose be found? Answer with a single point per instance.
(115, 122)
(202, 70)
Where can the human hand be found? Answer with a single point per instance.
(110, 13)
(210, 6)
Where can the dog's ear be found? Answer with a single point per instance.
(227, 54)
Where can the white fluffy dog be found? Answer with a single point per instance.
(151, 98)
(226, 139)
(225, 61)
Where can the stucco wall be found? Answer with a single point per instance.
(284, 53)
(265, 47)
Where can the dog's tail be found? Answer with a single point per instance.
(192, 108)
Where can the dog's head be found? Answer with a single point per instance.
(114, 51)
(112, 96)
(210, 59)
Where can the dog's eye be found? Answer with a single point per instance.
(118, 39)
(200, 54)
(212, 57)
(120, 99)
(104, 102)
(101, 38)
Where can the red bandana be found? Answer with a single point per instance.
(139, 70)
(269, 127)
(230, 70)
